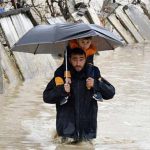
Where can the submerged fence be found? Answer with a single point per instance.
(14, 25)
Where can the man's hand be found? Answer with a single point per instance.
(89, 83)
(68, 80)
(67, 87)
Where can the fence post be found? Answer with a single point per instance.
(1, 77)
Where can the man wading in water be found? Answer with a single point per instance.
(77, 118)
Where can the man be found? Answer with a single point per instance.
(77, 118)
(89, 48)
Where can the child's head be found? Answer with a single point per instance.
(85, 42)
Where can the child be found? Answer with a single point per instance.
(90, 50)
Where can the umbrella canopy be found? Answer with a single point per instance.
(52, 39)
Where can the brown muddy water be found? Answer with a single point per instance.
(27, 123)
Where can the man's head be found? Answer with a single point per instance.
(84, 43)
(77, 59)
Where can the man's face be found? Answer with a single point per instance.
(84, 43)
(78, 61)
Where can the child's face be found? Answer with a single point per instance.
(84, 43)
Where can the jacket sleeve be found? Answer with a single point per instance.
(52, 94)
(107, 90)
(59, 71)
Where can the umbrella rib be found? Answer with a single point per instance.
(109, 44)
(76, 34)
(36, 49)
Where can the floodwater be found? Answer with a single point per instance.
(27, 123)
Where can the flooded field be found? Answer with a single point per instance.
(27, 123)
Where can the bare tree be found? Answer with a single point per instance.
(53, 7)
(35, 8)
(64, 8)
(50, 4)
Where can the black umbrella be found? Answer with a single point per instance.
(52, 39)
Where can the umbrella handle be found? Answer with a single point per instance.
(66, 65)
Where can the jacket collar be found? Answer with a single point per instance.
(78, 75)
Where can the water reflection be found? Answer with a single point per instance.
(123, 123)
(81, 146)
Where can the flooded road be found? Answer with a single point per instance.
(26, 123)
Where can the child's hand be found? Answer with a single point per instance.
(68, 80)
(67, 87)
(89, 83)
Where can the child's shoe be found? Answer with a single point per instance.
(97, 96)
(64, 100)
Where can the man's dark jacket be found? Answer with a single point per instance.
(78, 117)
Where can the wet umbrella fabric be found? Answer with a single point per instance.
(52, 39)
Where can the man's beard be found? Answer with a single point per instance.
(78, 68)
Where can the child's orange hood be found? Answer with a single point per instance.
(90, 51)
